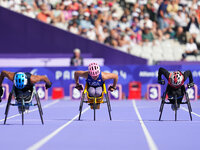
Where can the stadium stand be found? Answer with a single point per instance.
(152, 29)
(31, 38)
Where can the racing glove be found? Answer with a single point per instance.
(189, 85)
(79, 87)
(1, 93)
(111, 88)
(47, 85)
(162, 82)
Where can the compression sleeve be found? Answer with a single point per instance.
(187, 74)
(164, 72)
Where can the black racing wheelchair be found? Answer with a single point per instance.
(23, 101)
(94, 102)
(175, 97)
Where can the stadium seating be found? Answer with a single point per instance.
(168, 50)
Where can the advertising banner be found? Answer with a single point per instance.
(5, 91)
(64, 76)
(153, 92)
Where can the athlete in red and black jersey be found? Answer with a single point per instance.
(176, 83)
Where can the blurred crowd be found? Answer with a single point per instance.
(122, 26)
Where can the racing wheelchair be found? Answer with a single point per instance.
(95, 102)
(23, 101)
(176, 99)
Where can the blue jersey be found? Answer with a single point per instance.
(95, 83)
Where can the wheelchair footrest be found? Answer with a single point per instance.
(97, 106)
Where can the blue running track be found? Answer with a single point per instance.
(135, 125)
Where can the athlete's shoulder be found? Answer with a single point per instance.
(81, 73)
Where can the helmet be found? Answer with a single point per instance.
(176, 79)
(94, 69)
(20, 80)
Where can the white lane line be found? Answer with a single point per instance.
(45, 106)
(54, 133)
(150, 141)
(183, 108)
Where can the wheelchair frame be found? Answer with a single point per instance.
(176, 103)
(23, 104)
(95, 101)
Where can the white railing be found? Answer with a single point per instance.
(44, 62)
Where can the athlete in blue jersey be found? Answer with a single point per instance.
(95, 79)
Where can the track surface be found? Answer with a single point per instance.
(135, 125)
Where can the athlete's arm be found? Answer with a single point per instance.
(78, 74)
(187, 74)
(37, 78)
(9, 75)
(106, 76)
(164, 72)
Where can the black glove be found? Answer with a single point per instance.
(162, 82)
(47, 85)
(1, 93)
(111, 88)
(189, 85)
(79, 87)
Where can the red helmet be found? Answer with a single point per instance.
(176, 79)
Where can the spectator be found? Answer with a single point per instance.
(191, 49)
(75, 18)
(76, 60)
(163, 15)
(180, 35)
(151, 9)
(4, 3)
(113, 38)
(113, 21)
(172, 8)
(75, 6)
(181, 19)
(170, 33)
(127, 14)
(73, 28)
(103, 35)
(100, 31)
(85, 23)
(45, 15)
(198, 12)
(124, 44)
(130, 37)
(157, 33)
(123, 24)
(83, 32)
(67, 11)
(156, 6)
(58, 14)
(91, 34)
(28, 12)
(147, 35)
(137, 36)
(193, 5)
(146, 22)
(193, 27)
